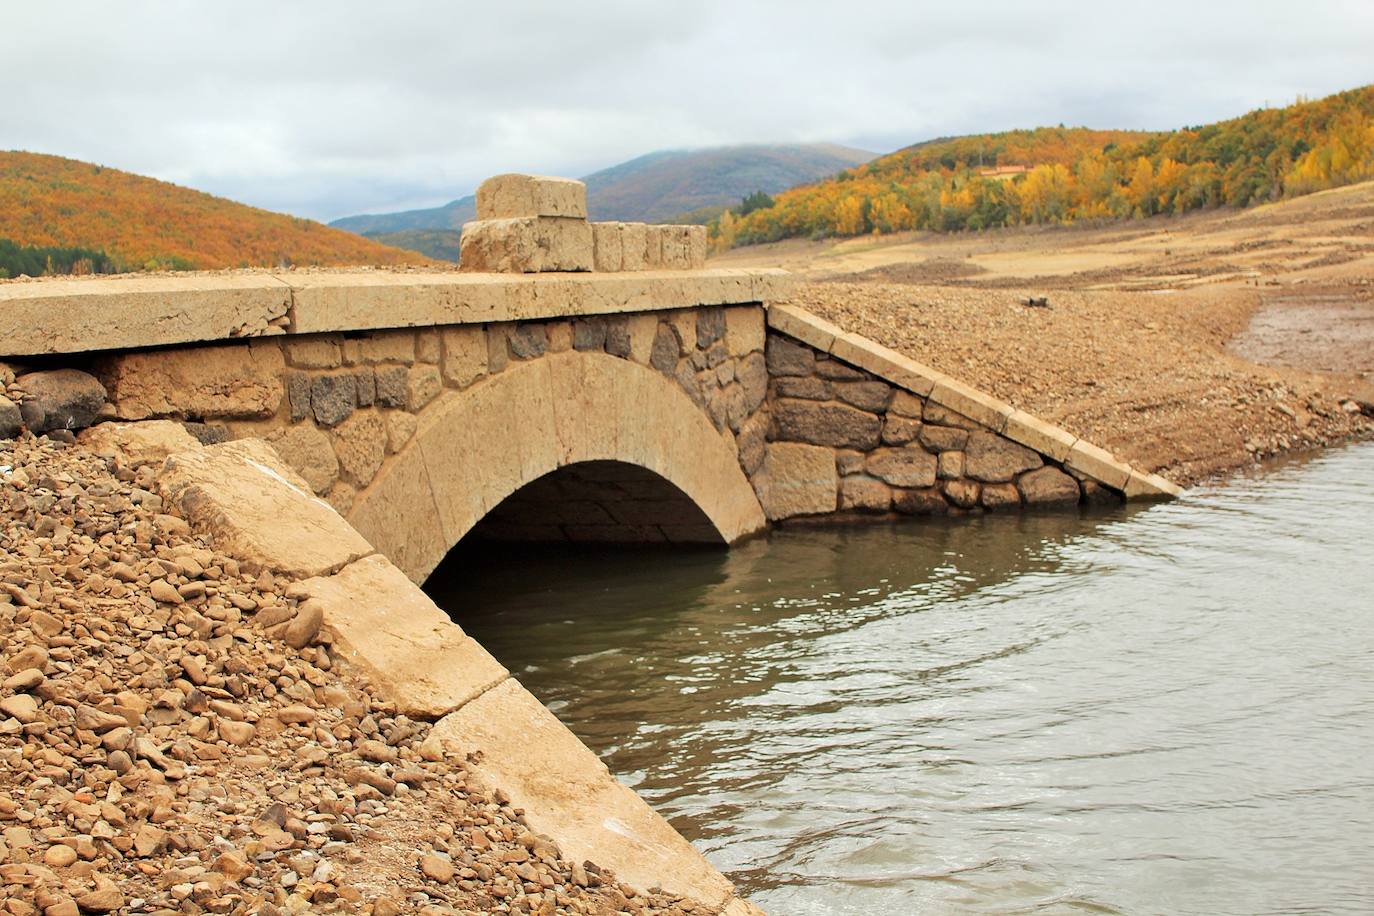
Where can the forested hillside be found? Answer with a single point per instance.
(138, 223)
(1058, 174)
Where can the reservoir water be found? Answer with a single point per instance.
(1157, 710)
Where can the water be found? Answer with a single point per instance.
(1168, 710)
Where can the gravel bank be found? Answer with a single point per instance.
(1146, 376)
(166, 748)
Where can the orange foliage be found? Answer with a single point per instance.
(1057, 174)
(148, 224)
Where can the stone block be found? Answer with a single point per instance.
(365, 383)
(950, 465)
(333, 397)
(798, 480)
(1032, 432)
(744, 329)
(589, 334)
(942, 438)
(864, 494)
(498, 347)
(898, 430)
(137, 311)
(786, 357)
(802, 325)
(643, 329)
(60, 399)
(528, 339)
(906, 404)
(806, 387)
(258, 510)
(829, 423)
(1000, 496)
(664, 353)
(1097, 464)
(560, 335)
(11, 420)
(314, 352)
(940, 415)
(360, 444)
(400, 427)
(385, 347)
(391, 383)
(977, 406)
(962, 493)
(928, 501)
(306, 448)
(902, 467)
(618, 341)
(1048, 486)
(837, 371)
(531, 244)
(870, 395)
(515, 195)
(298, 395)
(653, 247)
(752, 374)
(680, 247)
(1141, 485)
(507, 740)
(634, 246)
(427, 346)
(995, 459)
(710, 326)
(752, 443)
(423, 385)
(608, 247)
(409, 650)
(240, 381)
(151, 440)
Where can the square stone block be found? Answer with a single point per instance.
(530, 244)
(513, 195)
(608, 247)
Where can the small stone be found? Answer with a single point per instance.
(24, 681)
(165, 592)
(21, 706)
(106, 898)
(305, 626)
(237, 733)
(296, 715)
(436, 868)
(59, 856)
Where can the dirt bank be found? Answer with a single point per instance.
(1190, 346)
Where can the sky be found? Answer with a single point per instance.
(326, 109)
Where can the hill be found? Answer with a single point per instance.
(52, 203)
(1059, 175)
(656, 187)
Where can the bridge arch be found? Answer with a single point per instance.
(475, 448)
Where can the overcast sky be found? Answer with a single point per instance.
(325, 109)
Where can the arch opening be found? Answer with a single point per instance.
(598, 502)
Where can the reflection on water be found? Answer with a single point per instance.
(1160, 710)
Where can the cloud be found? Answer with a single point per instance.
(329, 108)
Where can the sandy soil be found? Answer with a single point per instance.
(1191, 346)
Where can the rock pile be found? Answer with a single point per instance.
(177, 737)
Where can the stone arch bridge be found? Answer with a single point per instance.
(576, 381)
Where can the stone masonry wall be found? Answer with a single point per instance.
(843, 440)
(336, 406)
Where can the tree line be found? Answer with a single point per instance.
(1062, 175)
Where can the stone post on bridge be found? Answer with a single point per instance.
(536, 224)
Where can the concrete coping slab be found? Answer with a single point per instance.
(1052, 441)
(125, 313)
